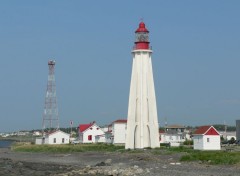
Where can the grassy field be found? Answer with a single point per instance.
(188, 154)
(211, 157)
(68, 148)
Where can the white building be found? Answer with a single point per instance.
(174, 134)
(117, 132)
(91, 133)
(228, 135)
(37, 133)
(206, 138)
(56, 137)
(142, 124)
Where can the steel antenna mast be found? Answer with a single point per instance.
(50, 115)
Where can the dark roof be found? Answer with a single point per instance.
(120, 121)
(202, 130)
(175, 126)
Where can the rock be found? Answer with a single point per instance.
(19, 164)
(135, 167)
(115, 173)
(108, 161)
(92, 172)
(139, 171)
(164, 166)
(101, 164)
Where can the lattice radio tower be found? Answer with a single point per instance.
(50, 114)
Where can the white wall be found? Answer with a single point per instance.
(213, 144)
(39, 141)
(198, 142)
(59, 136)
(206, 142)
(100, 139)
(142, 124)
(172, 138)
(119, 133)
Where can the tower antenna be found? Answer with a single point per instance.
(50, 115)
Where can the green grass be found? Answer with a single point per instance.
(67, 148)
(209, 157)
(213, 157)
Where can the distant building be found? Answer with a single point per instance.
(56, 137)
(89, 133)
(37, 133)
(174, 134)
(206, 138)
(228, 135)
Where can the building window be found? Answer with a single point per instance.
(54, 140)
(89, 137)
(63, 140)
(208, 140)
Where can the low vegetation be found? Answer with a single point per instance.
(68, 148)
(188, 154)
(213, 157)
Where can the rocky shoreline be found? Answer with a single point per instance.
(102, 164)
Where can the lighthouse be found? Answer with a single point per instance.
(142, 123)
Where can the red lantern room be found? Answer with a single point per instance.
(142, 39)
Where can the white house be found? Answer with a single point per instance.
(117, 132)
(91, 133)
(56, 137)
(206, 138)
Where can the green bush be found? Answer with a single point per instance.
(188, 142)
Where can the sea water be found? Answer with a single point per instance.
(5, 144)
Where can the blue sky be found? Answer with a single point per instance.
(196, 60)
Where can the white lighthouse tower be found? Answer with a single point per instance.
(142, 124)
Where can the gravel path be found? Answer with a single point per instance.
(93, 163)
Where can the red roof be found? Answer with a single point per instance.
(120, 121)
(83, 127)
(206, 130)
(142, 28)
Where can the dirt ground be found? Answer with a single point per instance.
(143, 163)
